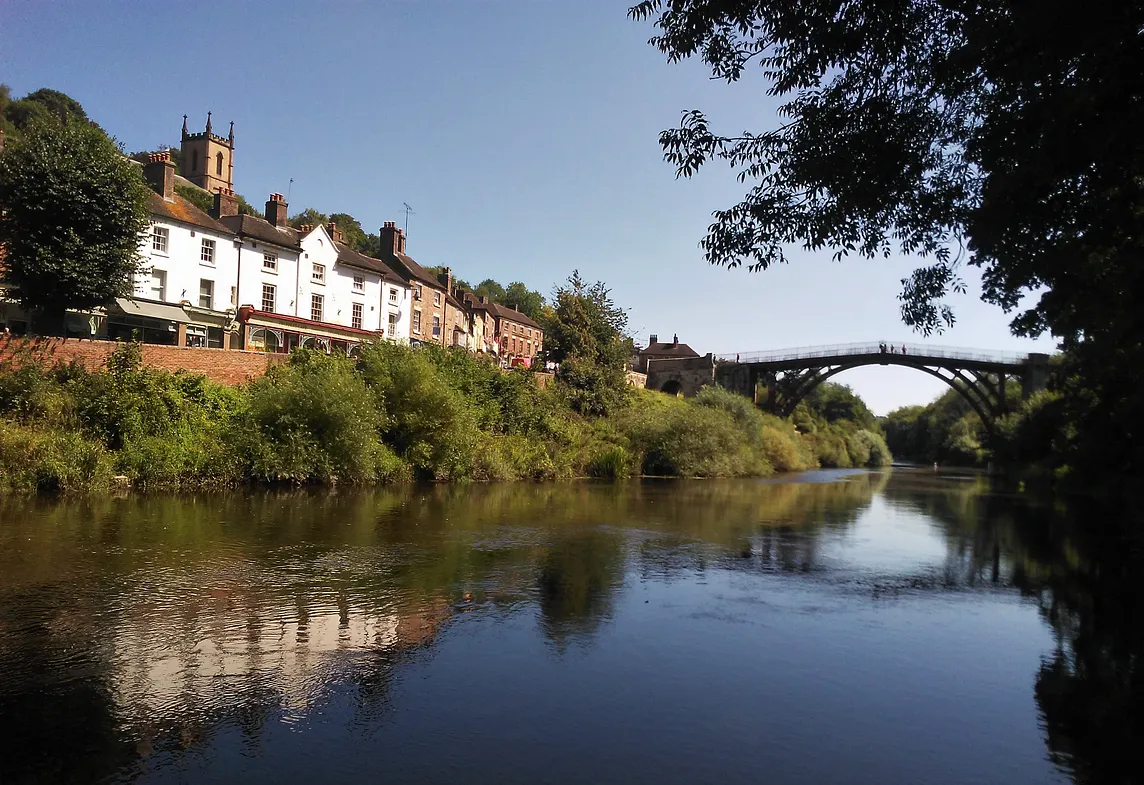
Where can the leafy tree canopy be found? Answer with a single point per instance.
(43, 104)
(1001, 134)
(586, 333)
(586, 324)
(72, 212)
(1005, 129)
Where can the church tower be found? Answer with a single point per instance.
(206, 159)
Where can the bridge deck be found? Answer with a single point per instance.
(918, 353)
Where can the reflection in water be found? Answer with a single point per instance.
(143, 635)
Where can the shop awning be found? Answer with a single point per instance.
(152, 310)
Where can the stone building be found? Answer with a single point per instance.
(427, 311)
(663, 351)
(517, 338)
(208, 159)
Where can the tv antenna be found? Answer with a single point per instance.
(408, 212)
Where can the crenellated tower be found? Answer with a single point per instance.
(207, 159)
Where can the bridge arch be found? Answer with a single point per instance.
(980, 378)
(989, 405)
(672, 387)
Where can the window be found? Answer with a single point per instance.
(268, 297)
(206, 293)
(436, 324)
(206, 254)
(159, 285)
(391, 331)
(436, 298)
(417, 292)
(218, 164)
(270, 261)
(194, 160)
(233, 296)
(359, 283)
(417, 322)
(355, 320)
(318, 275)
(392, 295)
(159, 236)
(316, 307)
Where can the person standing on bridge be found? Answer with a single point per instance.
(891, 348)
(882, 347)
(903, 348)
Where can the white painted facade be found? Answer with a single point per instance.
(262, 265)
(185, 263)
(396, 306)
(341, 287)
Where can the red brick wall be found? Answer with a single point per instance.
(228, 366)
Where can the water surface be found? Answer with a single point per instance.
(837, 627)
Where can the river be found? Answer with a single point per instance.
(849, 627)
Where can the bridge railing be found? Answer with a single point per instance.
(853, 349)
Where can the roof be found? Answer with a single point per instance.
(349, 256)
(407, 269)
(669, 350)
(502, 312)
(179, 209)
(260, 229)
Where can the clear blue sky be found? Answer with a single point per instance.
(523, 133)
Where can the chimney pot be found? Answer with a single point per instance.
(334, 232)
(224, 203)
(159, 173)
(654, 339)
(276, 210)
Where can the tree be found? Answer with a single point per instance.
(523, 299)
(352, 233)
(586, 333)
(309, 216)
(72, 213)
(490, 289)
(1000, 134)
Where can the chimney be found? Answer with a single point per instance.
(392, 239)
(445, 278)
(225, 203)
(484, 300)
(675, 340)
(654, 339)
(334, 232)
(159, 172)
(305, 229)
(276, 210)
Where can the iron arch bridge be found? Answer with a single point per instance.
(789, 375)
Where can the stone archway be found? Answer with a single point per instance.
(672, 387)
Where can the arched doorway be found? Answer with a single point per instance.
(672, 387)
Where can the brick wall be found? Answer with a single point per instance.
(227, 366)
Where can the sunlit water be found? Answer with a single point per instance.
(837, 627)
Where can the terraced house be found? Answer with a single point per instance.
(225, 278)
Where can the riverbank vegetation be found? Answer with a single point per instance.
(393, 414)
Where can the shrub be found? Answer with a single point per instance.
(51, 462)
(312, 419)
(612, 462)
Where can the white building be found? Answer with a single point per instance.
(190, 261)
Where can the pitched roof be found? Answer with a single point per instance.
(179, 209)
(669, 350)
(349, 256)
(502, 312)
(407, 269)
(262, 230)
